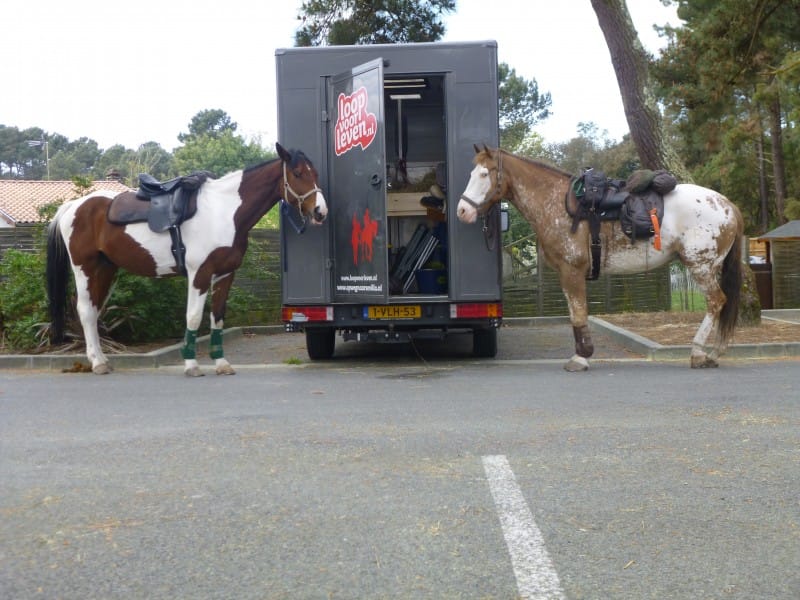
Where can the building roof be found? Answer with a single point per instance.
(20, 199)
(787, 231)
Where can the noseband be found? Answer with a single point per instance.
(484, 206)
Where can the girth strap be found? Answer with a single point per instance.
(178, 249)
(594, 229)
(585, 211)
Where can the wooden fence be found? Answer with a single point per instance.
(19, 238)
(532, 294)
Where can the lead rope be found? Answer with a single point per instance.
(286, 207)
(490, 233)
(490, 228)
(286, 211)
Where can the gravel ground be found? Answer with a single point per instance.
(678, 328)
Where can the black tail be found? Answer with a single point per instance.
(731, 284)
(57, 277)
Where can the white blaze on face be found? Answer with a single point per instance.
(321, 208)
(477, 190)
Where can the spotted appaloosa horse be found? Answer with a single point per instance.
(215, 239)
(701, 228)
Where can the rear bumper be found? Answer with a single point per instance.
(355, 322)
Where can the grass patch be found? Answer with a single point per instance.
(688, 301)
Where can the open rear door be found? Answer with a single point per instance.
(358, 184)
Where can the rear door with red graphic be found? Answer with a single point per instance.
(358, 184)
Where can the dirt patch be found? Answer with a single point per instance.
(678, 328)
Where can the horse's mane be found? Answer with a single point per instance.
(261, 164)
(538, 163)
(296, 156)
(488, 153)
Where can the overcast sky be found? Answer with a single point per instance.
(85, 68)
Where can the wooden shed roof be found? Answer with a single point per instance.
(787, 231)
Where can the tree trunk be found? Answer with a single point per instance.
(778, 170)
(763, 193)
(630, 63)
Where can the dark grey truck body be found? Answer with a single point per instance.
(391, 129)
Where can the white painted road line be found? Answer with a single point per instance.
(536, 577)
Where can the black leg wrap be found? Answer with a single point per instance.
(583, 341)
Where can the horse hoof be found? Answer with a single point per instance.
(704, 362)
(101, 369)
(193, 372)
(577, 364)
(225, 370)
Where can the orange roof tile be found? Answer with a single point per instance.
(20, 199)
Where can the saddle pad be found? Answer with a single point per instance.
(127, 208)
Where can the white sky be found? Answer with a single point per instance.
(84, 68)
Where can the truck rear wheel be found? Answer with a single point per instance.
(320, 342)
(484, 342)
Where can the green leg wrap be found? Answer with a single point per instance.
(215, 344)
(189, 349)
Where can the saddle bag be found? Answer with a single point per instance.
(641, 215)
(594, 188)
(663, 182)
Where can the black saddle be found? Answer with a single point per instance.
(163, 204)
(637, 203)
(150, 187)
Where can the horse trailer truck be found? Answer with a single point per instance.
(392, 130)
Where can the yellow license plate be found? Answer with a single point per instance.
(395, 311)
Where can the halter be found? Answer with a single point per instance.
(484, 207)
(298, 199)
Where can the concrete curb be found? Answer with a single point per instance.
(170, 356)
(656, 352)
(167, 356)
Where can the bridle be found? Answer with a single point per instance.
(298, 201)
(484, 208)
(494, 196)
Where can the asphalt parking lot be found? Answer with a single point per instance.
(521, 339)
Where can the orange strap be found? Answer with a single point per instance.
(656, 229)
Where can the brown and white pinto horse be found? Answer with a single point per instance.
(700, 227)
(215, 239)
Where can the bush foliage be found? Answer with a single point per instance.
(138, 310)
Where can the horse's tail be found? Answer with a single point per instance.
(731, 284)
(57, 273)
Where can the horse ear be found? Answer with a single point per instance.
(282, 152)
(477, 150)
(486, 149)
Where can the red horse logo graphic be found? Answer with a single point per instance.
(362, 236)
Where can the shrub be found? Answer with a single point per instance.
(23, 300)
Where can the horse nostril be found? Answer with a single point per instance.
(318, 214)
